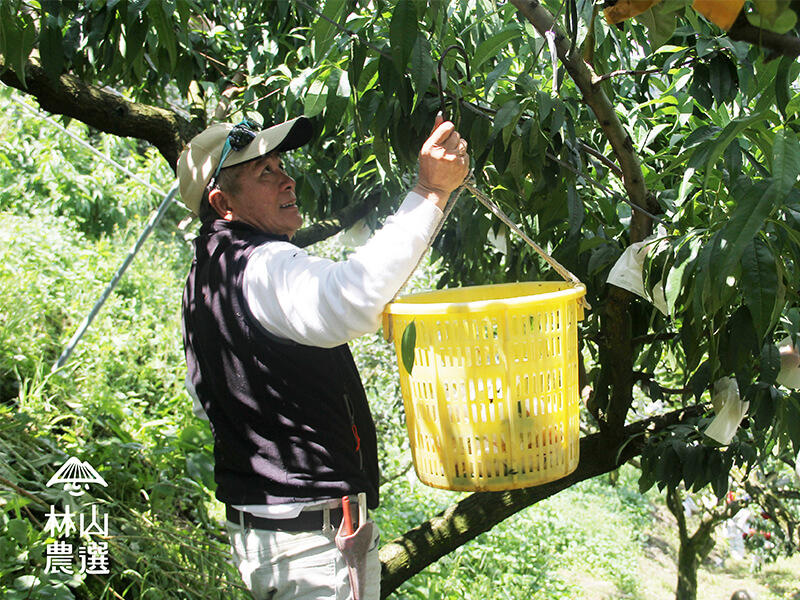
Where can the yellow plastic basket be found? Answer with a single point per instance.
(492, 401)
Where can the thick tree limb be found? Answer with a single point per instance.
(104, 109)
(409, 554)
(344, 219)
(779, 44)
(111, 113)
(617, 357)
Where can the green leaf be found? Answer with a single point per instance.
(358, 56)
(194, 437)
(722, 78)
(732, 131)
(738, 342)
(135, 8)
(701, 378)
(783, 80)
(506, 114)
(769, 363)
(516, 164)
(315, 99)
(17, 36)
(324, 30)
(693, 459)
(337, 98)
(677, 275)
(791, 421)
(719, 478)
(756, 202)
(491, 48)
(380, 147)
(701, 478)
(660, 21)
(403, 30)
(422, 68)
(782, 21)
(200, 468)
(50, 48)
(18, 530)
(759, 284)
(408, 345)
(156, 11)
(785, 162)
(576, 210)
(479, 136)
(389, 82)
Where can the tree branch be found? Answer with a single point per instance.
(111, 113)
(780, 44)
(621, 72)
(590, 86)
(409, 554)
(104, 109)
(602, 158)
(618, 360)
(344, 219)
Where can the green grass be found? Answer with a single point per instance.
(593, 541)
(119, 404)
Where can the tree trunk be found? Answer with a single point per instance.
(693, 549)
(688, 563)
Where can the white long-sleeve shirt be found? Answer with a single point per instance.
(325, 303)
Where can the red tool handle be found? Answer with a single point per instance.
(348, 516)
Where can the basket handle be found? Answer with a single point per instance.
(469, 184)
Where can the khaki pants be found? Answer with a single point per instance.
(277, 565)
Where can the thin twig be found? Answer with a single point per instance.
(602, 158)
(619, 72)
(608, 191)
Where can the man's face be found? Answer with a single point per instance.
(265, 197)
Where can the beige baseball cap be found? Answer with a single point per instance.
(199, 160)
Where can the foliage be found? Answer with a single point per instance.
(152, 548)
(46, 173)
(119, 404)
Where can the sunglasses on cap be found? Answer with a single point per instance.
(238, 139)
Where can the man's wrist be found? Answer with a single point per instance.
(438, 197)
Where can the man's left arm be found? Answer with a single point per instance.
(324, 303)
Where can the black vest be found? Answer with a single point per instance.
(290, 422)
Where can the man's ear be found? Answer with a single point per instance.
(221, 202)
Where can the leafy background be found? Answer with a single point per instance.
(120, 405)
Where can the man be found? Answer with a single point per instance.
(266, 328)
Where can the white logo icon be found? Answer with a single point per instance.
(76, 475)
